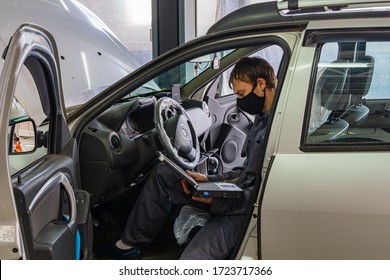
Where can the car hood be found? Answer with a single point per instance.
(91, 56)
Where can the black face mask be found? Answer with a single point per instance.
(251, 103)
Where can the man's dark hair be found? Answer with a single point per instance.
(249, 69)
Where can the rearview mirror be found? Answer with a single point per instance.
(22, 137)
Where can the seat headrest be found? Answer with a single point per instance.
(359, 76)
(331, 84)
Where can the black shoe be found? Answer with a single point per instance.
(110, 251)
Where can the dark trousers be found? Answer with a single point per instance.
(162, 189)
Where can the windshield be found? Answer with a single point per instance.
(181, 74)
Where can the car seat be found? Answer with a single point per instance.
(324, 123)
(357, 85)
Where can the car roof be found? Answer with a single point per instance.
(284, 14)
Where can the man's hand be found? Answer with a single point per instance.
(186, 189)
(199, 178)
(207, 200)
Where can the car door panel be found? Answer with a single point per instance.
(43, 222)
(44, 190)
(337, 217)
(228, 131)
(45, 197)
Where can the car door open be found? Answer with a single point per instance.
(39, 187)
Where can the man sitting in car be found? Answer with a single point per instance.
(253, 81)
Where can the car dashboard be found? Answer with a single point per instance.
(117, 147)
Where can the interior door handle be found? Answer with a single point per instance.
(62, 180)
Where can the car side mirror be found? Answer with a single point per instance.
(22, 137)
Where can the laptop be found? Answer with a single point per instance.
(217, 189)
(204, 189)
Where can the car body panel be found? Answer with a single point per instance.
(342, 216)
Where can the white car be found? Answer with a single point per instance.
(322, 191)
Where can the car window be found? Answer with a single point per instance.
(26, 105)
(350, 96)
(273, 54)
(329, 52)
(380, 84)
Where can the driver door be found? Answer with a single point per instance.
(38, 183)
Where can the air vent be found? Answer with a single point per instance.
(115, 141)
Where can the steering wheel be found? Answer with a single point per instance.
(176, 133)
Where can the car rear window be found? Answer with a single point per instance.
(350, 99)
